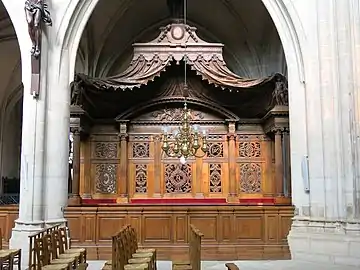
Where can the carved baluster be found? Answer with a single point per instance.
(75, 184)
(279, 167)
(123, 177)
(233, 187)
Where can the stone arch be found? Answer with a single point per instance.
(291, 34)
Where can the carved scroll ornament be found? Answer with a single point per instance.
(36, 12)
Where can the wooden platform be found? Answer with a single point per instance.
(231, 232)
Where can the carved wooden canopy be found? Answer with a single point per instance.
(210, 80)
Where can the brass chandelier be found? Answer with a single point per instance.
(187, 140)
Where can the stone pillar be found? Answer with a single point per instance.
(31, 205)
(57, 136)
(233, 187)
(75, 129)
(123, 170)
(279, 166)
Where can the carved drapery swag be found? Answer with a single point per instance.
(206, 59)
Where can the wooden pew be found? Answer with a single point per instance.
(194, 262)
(126, 255)
(9, 257)
(231, 266)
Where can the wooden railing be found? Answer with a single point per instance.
(51, 247)
(126, 255)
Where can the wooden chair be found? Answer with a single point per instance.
(42, 258)
(194, 262)
(33, 262)
(57, 247)
(231, 266)
(65, 245)
(9, 257)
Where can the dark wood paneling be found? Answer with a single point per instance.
(230, 232)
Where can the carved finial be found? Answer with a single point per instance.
(176, 9)
(36, 12)
(280, 93)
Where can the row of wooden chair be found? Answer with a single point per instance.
(126, 255)
(50, 249)
(194, 262)
(9, 257)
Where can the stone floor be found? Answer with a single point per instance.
(246, 265)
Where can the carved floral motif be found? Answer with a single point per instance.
(250, 178)
(105, 178)
(215, 177)
(141, 177)
(178, 178)
(175, 114)
(249, 149)
(106, 150)
(216, 150)
(140, 150)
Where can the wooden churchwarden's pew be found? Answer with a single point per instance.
(194, 262)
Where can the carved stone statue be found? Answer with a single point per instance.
(36, 11)
(280, 93)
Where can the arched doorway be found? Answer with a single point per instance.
(11, 110)
(100, 59)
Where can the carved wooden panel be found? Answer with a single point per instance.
(106, 178)
(106, 150)
(216, 150)
(249, 150)
(178, 178)
(250, 178)
(141, 149)
(215, 174)
(141, 178)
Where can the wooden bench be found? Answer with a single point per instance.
(231, 266)
(127, 256)
(9, 257)
(194, 262)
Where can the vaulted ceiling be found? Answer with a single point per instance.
(252, 45)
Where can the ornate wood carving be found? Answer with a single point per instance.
(141, 178)
(178, 178)
(216, 150)
(140, 150)
(249, 150)
(105, 178)
(106, 150)
(250, 178)
(215, 174)
(175, 114)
